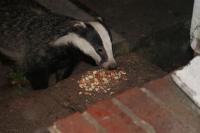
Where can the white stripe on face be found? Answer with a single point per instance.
(79, 43)
(104, 35)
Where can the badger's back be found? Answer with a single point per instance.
(24, 32)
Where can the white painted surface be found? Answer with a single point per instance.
(188, 79)
(195, 27)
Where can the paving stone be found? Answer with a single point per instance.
(117, 38)
(112, 118)
(43, 130)
(74, 124)
(65, 7)
(151, 112)
(121, 48)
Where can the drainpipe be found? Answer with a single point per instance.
(195, 27)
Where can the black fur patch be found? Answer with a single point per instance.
(30, 36)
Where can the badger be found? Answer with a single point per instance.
(46, 43)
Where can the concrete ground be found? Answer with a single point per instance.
(24, 110)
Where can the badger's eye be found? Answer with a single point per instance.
(100, 50)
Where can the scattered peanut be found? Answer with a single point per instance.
(100, 81)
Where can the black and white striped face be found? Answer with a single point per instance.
(94, 40)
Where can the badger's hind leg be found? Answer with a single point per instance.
(38, 78)
(60, 75)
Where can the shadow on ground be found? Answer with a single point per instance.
(167, 48)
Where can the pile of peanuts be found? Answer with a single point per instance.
(100, 81)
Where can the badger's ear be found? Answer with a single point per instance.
(79, 24)
(100, 19)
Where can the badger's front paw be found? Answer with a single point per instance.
(39, 80)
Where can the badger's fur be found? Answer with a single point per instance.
(45, 43)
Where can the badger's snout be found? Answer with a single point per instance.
(110, 65)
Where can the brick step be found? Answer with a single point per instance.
(158, 107)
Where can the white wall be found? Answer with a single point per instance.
(195, 27)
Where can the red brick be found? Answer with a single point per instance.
(174, 99)
(112, 118)
(75, 124)
(151, 112)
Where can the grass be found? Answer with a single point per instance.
(17, 80)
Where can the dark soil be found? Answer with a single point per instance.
(24, 110)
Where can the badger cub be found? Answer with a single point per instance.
(47, 43)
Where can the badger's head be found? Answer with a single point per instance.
(93, 39)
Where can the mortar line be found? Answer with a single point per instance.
(135, 119)
(54, 129)
(163, 105)
(91, 120)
